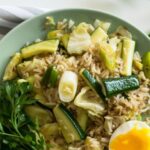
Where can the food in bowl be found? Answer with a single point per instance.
(81, 88)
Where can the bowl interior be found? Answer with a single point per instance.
(33, 29)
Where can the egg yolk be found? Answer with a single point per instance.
(135, 139)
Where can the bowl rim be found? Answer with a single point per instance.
(75, 9)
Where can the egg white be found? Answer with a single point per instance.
(126, 127)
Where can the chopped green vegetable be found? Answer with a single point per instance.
(92, 82)
(16, 130)
(114, 86)
(64, 40)
(79, 40)
(122, 32)
(99, 35)
(68, 86)
(49, 130)
(37, 113)
(49, 46)
(146, 64)
(70, 128)
(114, 43)
(50, 22)
(107, 55)
(55, 34)
(82, 118)
(104, 25)
(119, 49)
(50, 77)
(10, 72)
(138, 64)
(43, 102)
(88, 27)
(31, 79)
(127, 56)
(89, 101)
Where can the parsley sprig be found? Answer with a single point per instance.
(16, 129)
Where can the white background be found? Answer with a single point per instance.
(135, 11)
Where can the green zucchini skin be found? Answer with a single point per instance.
(93, 83)
(50, 77)
(114, 86)
(46, 76)
(73, 121)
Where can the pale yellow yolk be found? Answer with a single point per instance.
(135, 139)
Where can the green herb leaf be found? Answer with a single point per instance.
(16, 130)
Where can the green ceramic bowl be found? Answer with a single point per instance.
(32, 29)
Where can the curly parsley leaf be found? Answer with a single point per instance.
(16, 130)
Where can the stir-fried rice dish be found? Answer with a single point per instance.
(82, 87)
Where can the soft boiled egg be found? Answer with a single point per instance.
(131, 135)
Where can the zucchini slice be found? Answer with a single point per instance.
(99, 35)
(127, 56)
(49, 130)
(64, 40)
(82, 118)
(10, 72)
(55, 34)
(50, 77)
(146, 64)
(49, 46)
(43, 102)
(92, 82)
(36, 112)
(70, 128)
(114, 86)
(107, 55)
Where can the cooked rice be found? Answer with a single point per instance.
(120, 108)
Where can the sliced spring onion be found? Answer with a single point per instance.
(68, 86)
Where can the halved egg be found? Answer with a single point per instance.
(131, 135)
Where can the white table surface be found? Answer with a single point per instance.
(136, 12)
